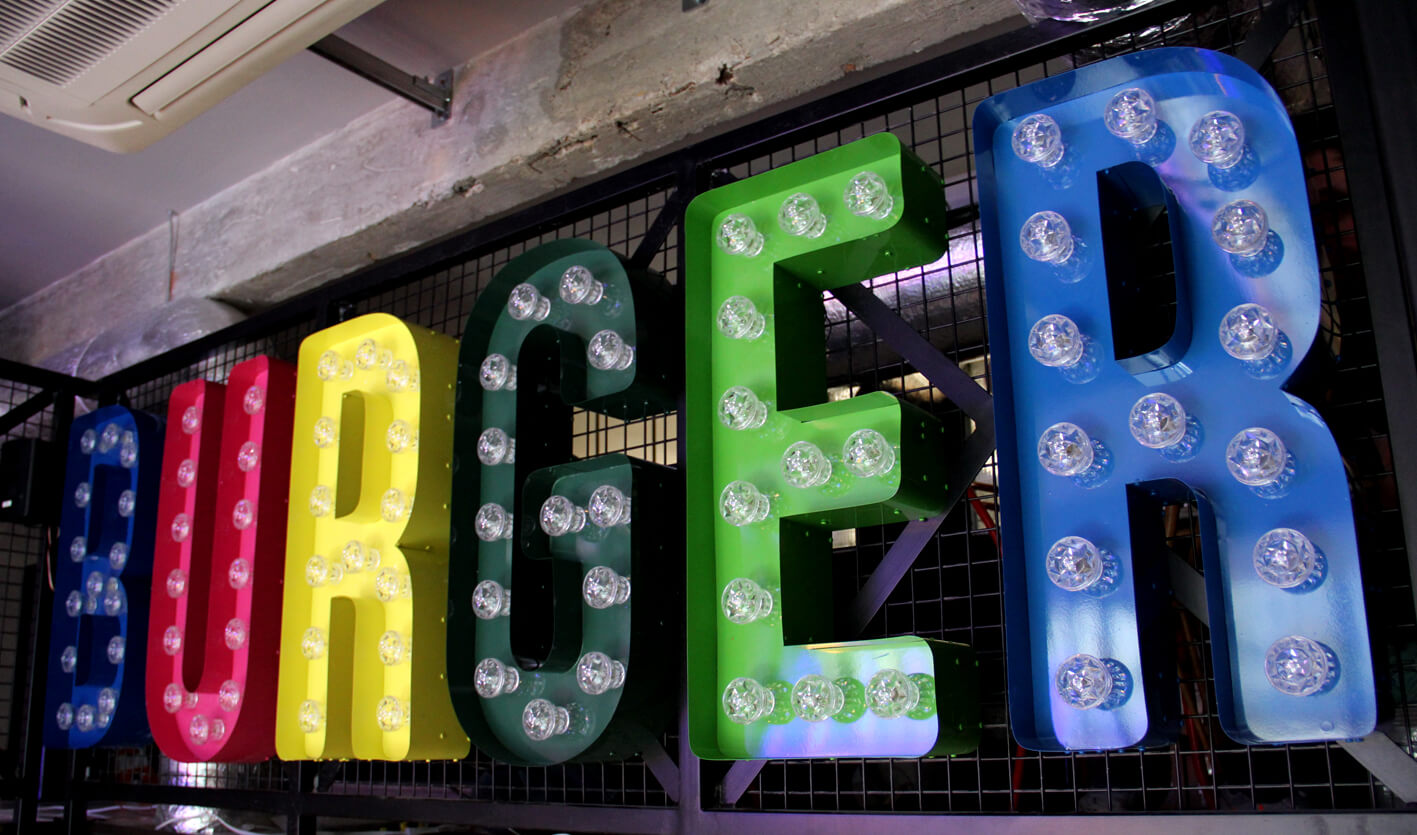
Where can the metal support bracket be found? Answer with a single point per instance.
(435, 95)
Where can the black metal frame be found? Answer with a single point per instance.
(1371, 96)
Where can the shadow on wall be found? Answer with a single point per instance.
(155, 332)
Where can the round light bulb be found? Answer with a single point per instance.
(326, 433)
(805, 465)
(738, 235)
(117, 648)
(242, 514)
(172, 640)
(322, 501)
(891, 694)
(801, 216)
(118, 556)
(1240, 228)
(745, 701)
(313, 643)
(389, 584)
(1039, 140)
(868, 454)
(741, 504)
(235, 634)
(816, 698)
(187, 472)
(317, 571)
(867, 195)
(608, 507)
(357, 557)
(492, 678)
(1131, 115)
(579, 286)
(191, 421)
(229, 695)
(93, 584)
(108, 438)
(392, 713)
(64, 716)
(1256, 457)
(1299, 666)
(607, 351)
(74, 604)
(738, 318)
(127, 502)
(560, 516)
(497, 373)
(115, 600)
(332, 366)
(1218, 139)
(84, 718)
(395, 505)
(366, 356)
(1248, 332)
(542, 720)
(1065, 450)
(107, 700)
(525, 303)
(181, 527)
(1157, 420)
(254, 400)
(400, 437)
(739, 409)
(1046, 237)
(68, 658)
(78, 549)
(603, 588)
(492, 523)
(1084, 681)
(310, 716)
(88, 441)
(198, 730)
(82, 494)
(128, 453)
(394, 648)
(1285, 558)
(597, 673)
(744, 601)
(401, 377)
(172, 697)
(1074, 563)
(1056, 342)
(490, 600)
(248, 457)
(495, 447)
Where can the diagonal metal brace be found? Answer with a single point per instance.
(436, 96)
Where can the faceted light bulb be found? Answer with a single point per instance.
(176, 583)
(868, 454)
(108, 438)
(242, 514)
(88, 441)
(172, 697)
(497, 373)
(1157, 420)
(356, 557)
(492, 678)
(187, 472)
(400, 437)
(128, 453)
(739, 409)
(1084, 681)
(394, 648)
(805, 465)
(526, 303)
(1218, 138)
(366, 356)
(78, 549)
(127, 501)
(172, 640)
(1056, 341)
(310, 716)
(118, 556)
(867, 195)
(64, 716)
(1256, 456)
(1074, 563)
(744, 601)
(317, 571)
(235, 634)
(490, 600)
(218, 729)
(68, 658)
(198, 730)
(603, 588)
(738, 235)
(741, 504)
(607, 351)
(608, 507)
(1299, 666)
(107, 700)
(1131, 115)
(248, 457)
(1047, 237)
(388, 585)
(117, 647)
(332, 366)
(801, 217)
(1285, 558)
(254, 401)
(115, 600)
(181, 527)
(401, 377)
(542, 720)
(493, 522)
(891, 694)
(313, 643)
(84, 718)
(1039, 140)
(238, 574)
(74, 604)
(392, 713)
(560, 516)
(745, 701)
(738, 318)
(1240, 228)
(90, 604)
(597, 672)
(93, 584)
(191, 419)
(1248, 332)
(816, 698)
(579, 286)
(1065, 450)
(326, 433)
(495, 447)
(322, 500)
(395, 505)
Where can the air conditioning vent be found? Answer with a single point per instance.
(60, 40)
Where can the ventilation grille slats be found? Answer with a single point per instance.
(60, 40)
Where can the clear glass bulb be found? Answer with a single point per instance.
(356, 557)
(78, 549)
(1157, 420)
(1248, 332)
(739, 409)
(254, 400)
(744, 601)
(366, 356)
(235, 634)
(1131, 115)
(84, 718)
(1218, 139)
(607, 351)
(561, 516)
(181, 527)
(1056, 342)
(332, 366)
(90, 604)
(172, 697)
(82, 494)
(525, 303)
(395, 505)
(1065, 450)
(891, 694)
(1046, 237)
(238, 574)
(310, 716)
(88, 441)
(117, 647)
(490, 600)
(493, 522)
(492, 678)
(400, 437)
(597, 673)
(313, 643)
(1240, 228)
(172, 640)
(187, 472)
(74, 604)
(1084, 681)
(1039, 140)
(741, 504)
(118, 556)
(64, 716)
(608, 507)
(128, 453)
(389, 585)
(115, 600)
(93, 584)
(495, 447)
(229, 695)
(198, 730)
(108, 438)
(107, 700)
(801, 216)
(867, 195)
(392, 713)
(738, 235)
(1256, 456)
(868, 454)
(318, 572)
(1299, 666)
(400, 377)
(745, 701)
(805, 465)
(176, 583)
(497, 373)
(218, 729)
(580, 286)
(542, 720)
(68, 659)
(394, 648)
(127, 502)
(1074, 563)
(248, 457)
(326, 433)
(322, 500)
(191, 420)
(738, 318)
(243, 513)
(1285, 558)
(603, 588)
(816, 698)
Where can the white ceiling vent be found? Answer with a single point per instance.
(121, 74)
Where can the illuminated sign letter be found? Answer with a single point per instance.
(774, 469)
(101, 579)
(579, 657)
(217, 565)
(1117, 390)
(362, 660)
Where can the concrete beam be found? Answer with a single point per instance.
(610, 82)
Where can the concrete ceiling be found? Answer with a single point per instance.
(64, 204)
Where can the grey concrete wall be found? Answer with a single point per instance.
(570, 98)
